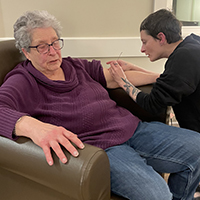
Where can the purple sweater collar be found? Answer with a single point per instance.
(59, 86)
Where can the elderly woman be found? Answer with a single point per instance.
(55, 101)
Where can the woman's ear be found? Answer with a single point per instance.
(25, 53)
(162, 38)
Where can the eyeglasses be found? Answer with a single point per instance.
(44, 48)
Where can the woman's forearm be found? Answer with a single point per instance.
(138, 78)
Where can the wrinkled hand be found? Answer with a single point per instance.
(117, 73)
(53, 137)
(48, 137)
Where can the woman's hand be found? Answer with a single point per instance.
(117, 73)
(124, 65)
(121, 70)
(48, 137)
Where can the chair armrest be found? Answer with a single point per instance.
(82, 178)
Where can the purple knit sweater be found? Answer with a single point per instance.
(80, 103)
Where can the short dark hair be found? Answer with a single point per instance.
(163, 21)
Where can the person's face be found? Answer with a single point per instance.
(49, 62)
(150, 46)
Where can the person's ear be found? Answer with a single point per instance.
(162, 38)
(26, 53)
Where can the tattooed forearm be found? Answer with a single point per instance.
(128, 86)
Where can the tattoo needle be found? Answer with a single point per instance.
(119, 56)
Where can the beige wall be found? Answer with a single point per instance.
(86, 18)
(1, 23)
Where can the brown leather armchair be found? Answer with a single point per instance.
(24, 173)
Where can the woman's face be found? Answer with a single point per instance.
(150, 46)
(48, 63)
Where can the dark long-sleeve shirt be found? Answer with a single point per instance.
(179, 85)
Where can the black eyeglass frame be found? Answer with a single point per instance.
(48, 46)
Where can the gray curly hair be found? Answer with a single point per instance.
(30, 20)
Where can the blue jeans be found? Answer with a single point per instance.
(156, 147)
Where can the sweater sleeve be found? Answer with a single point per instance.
(180, 79)
(93, 68)
(96, 72)
(14, 101)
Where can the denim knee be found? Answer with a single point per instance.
(132, 178)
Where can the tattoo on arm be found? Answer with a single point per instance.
(128, 87)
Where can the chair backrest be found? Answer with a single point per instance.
(9, 57)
